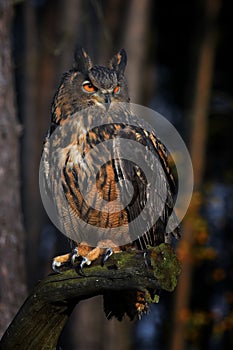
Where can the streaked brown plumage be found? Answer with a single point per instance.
(87, 91)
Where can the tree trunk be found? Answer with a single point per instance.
(135, 44)
(31, 143)
(12, 266)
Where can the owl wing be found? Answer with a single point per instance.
(153, 183)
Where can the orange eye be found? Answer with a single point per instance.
(117, 89)
(88, 87)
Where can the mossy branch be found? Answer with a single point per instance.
(42, 317)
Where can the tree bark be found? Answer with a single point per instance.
(12, 266)
(42, 317)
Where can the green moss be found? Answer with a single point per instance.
(124, 260)
(166, 266)
(151, 298)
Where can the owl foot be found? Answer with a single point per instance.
(87, 255)
(64, 260)
(93, 255)
(90, 254)
(60, 261)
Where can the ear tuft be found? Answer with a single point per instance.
(82, 61)
(118, 62)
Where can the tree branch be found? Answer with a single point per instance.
(42, 317)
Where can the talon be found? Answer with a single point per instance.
(84, 261)
(55, 265)
(107, 254)
(74, 255)
(145, 261)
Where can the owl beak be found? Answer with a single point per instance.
(107, 100)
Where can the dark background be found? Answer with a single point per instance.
(180, 56)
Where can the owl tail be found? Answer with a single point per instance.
(131, 303)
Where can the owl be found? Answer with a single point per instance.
(94, 131)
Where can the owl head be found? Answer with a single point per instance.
(90, 85)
